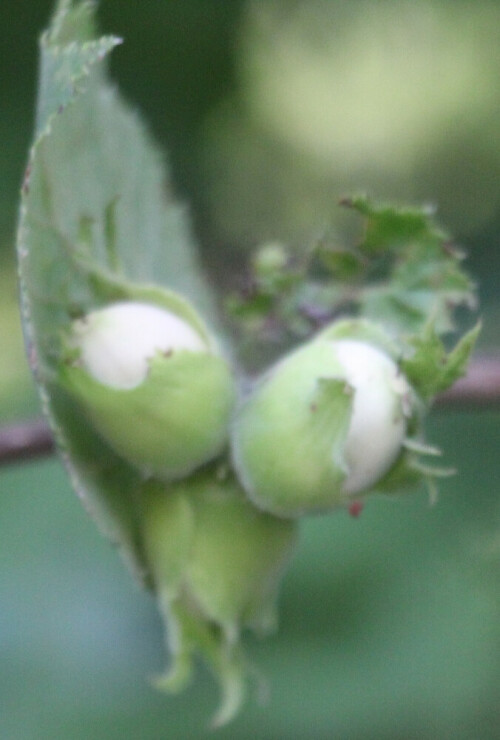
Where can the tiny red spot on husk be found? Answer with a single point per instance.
(356, 508)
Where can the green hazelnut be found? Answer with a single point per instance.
(323, 425)
(216, 564)
(152, 385)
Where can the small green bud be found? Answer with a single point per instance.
(216, 563)
(270, 260)
(325, 424)
(152, 385)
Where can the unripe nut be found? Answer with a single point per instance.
(326, 423)
(117, 343)
(204, 539)
(152, 386)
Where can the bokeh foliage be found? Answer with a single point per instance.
(390, 622)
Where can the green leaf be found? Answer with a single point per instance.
(416, 275)
(403, 274)
(96, 221)
(387, 227)
(342, 264)
(430, 369)
(68, 52)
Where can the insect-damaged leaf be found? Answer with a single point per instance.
(96, 215)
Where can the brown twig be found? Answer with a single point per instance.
(478, 390)
(24, 441)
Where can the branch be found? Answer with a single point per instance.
(25, 441)
(478, 390)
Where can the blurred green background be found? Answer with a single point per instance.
(270, 112)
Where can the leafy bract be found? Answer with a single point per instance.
(404, 273)
(413, 271)
(97, 221)
(389, 227)
(432, 370)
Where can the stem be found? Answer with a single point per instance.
(479, 389)
(24, 441)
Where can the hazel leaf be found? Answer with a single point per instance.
(390, 227)
(96, 220)
(403, 273)
(342, 264)
(415, 275)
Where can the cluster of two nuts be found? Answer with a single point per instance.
(322, 426)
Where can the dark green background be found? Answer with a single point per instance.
(389, 623)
